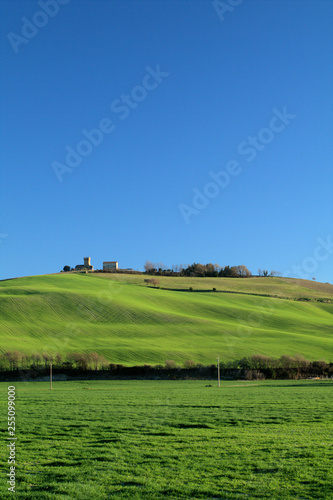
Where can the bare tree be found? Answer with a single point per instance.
(58, 358)
(81, 360)
(14, 358)
(170, 363)
(149, 266)
(36, 358)
(94, 358)
(233, 271)
(210, 269)
(103, 361)
(199, 270)
(46, 358)
(154, 281)
(189, 363)
(11, 358)
(243, 271)
(25, 360)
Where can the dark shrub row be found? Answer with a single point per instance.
(92, 365)
(198, 270)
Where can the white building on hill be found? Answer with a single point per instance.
(110, 265)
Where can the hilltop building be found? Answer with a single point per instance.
(86, 265)
(110, 265)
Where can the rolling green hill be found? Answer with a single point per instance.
(120, 317)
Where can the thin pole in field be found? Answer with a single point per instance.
(51, 376)
(218, 371)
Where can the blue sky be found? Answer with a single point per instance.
(175, 92)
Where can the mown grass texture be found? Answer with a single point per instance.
(172, 439)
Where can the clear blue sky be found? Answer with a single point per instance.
(181, 89)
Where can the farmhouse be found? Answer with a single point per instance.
(86, 265)
(110, 265)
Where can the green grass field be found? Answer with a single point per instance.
(171, 439)
(129, 323)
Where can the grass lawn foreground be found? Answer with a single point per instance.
(171, 439)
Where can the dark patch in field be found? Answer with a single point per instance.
(160, 434)
(61, 464)
(110, 440)
(132, 483)
(191, 426)
(232, 422)
(79, 425)
(197, 406)
(19, 291)
(265, 471)
(43, 488)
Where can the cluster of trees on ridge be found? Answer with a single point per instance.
(256, 367)
(204, 270)
(197, 270)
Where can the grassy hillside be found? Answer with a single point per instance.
(129, 323)
(277, 287)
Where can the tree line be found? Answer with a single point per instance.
(256, 367)
(16, 360)
(197, 270)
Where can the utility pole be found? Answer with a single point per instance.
(218, 371)
(51, 376)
